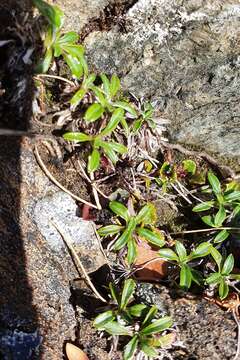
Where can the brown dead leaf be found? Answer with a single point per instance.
(156, 269)
(74, 353)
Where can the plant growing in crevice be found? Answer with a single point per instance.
(98, 142)
(223, 277)
(138, 321)
(58, 44)
(185, 262)
(134, 226)
(227, 203)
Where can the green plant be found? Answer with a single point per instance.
(227, 203)
(58, 44)
(136, 321)
(146, 112)
(98, 142)
(182, 260)
(140, 225)
(222, 278)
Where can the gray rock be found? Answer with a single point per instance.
(36, 316)
(78, 13)
(184, 55)
(61, 209)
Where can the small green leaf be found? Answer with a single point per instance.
(103, 319)
(181, 251)
(99, 95)
(94, 112)
(196, 277)
(126, 235)
(127, 292)
(130, 348)
(132, 251)
(120, 148)
(223, 289)
(93, 161)
(52, 13)
(111, 155)
(45, 64)
(137, 125)
(77, 137)
(168, 254)
(236, 210)
(157, 326)
(163, 341)
(112, 147)
(147, 215)
(148, 350)
(209, 220)
(120, 210)
(203, 206)
(68, 38)
(113, 122)
(228, 265)
(216, 256)
(114, 293)
(233, 196)
(221, 236)
(189, 166)
(114, 85)
(114, 328)
(138, 309)
(214, 182)
(127, 107)
(185, 277)
(154, 237)
(124, 125)
(77, 97)
(220, 216)
(213, 278)
(89, 81)
(150, 316)
(110, 230)
(74, 65)
(106, 84)
(201, 250)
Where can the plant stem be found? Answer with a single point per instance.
(55, 77)
(237, 229)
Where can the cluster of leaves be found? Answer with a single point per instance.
(168, 173)
(138, 321)
(58, 44)
(221, 277)
(140, 225)
(110, 111)
(109, 148)
(224, 205)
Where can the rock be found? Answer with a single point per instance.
(36, 315)
(184, 56)
(78, 13)
(203, 330)
(61, 209)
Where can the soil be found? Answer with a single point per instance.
(203, 330)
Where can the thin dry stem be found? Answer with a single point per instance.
(54, 77)
(95, 193)
(56, 182)
(79, 266)
(206, 230)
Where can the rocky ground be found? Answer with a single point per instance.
(182, 54)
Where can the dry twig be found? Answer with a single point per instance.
(79, 266)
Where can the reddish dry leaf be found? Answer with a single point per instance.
(153, 271)
(74, 353)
